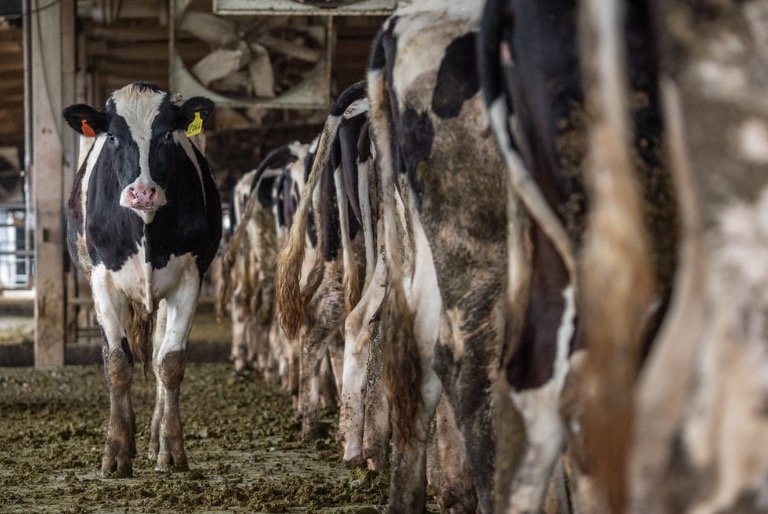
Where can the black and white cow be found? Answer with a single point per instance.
(144, 223)
(443, 206)
(616, 248)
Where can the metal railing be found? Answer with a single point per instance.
(16, 252)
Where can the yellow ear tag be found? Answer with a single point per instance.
(195, 126)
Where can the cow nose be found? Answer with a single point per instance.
(143, 197)
(143, 193)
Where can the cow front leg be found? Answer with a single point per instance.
(170, 365)
(120, 446)
(157, 415)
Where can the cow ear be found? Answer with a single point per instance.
(86, 120)
(193, 113)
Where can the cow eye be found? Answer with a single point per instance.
(169, 136)
(112, 139)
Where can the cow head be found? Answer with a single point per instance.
(142, 128)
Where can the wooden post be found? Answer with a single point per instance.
(52, 41)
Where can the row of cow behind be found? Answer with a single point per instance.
(507, 261)
(568, 318)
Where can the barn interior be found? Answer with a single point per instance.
(54, 53)
(289, 63)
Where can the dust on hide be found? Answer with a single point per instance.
(444, 301)
(144, 223)
(531, 75)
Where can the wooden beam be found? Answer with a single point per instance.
(127, 34)
(146, 52)
(148, 69)
(51, 40)
(13, 34)
(12, 114)
(12, 83)
(12, 66)
(10, 48)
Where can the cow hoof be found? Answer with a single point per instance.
(116, 468)
(355, 462)
(240, 365)
(166, 463)
(313, 431)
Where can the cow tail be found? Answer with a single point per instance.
(618, 276)
(498, 106)
(400, 353)
(290, 301)
(140, 328)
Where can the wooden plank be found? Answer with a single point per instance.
(272, 7)
(149, 69)
(10, 48)
(112, 82)
(12, 114)
(12, 81)
(15, 66)
(10, 35)
(129, 34)
(146, 52)
(49, 37)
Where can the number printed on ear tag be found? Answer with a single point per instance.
(195, 126)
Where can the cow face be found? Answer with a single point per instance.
(143, 130)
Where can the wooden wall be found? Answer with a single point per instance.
(11, 84)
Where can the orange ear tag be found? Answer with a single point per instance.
(86, 129)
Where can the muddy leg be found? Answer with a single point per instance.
(355, 371)
(172, 454)
(456, 491)
(239, 353)
(376, 421)
(120, 446)
(336, 361)
(312, 353)
(157, 415)
(328, 394)
(408, 479)
(171, 362)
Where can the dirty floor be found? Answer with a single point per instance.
(241, 438)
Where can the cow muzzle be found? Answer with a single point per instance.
(143, 197)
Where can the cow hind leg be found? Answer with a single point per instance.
(120, 446)
(456, 491)
(352, 407)
(312, 352)
(376, 422)
(408, 479)
(464, 359)
(170, 365)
